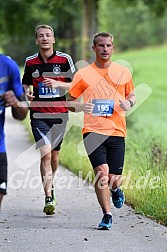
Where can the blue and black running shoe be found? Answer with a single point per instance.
(118, 198)
(106, 222)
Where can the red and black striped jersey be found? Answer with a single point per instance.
(59, 66)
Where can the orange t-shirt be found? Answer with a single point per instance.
(113, 83)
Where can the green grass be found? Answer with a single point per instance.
(146, 142)
(145, 173)
(146, 188)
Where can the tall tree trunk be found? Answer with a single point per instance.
(89, 28)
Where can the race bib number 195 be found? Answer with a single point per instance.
(103, 107)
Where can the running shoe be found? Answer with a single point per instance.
(106, 222)
(53, 196)
(118, 198)
(49, 208)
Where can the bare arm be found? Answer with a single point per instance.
(53, 83)
(75, 106)
(129, 102)
(19, 106)
(28, 92)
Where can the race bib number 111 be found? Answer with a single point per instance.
(47, 92)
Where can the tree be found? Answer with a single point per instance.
(67, 21)
(14, 14)
(156, 6)
(133, 26)
(90, 20)
(89, 26)
(74, 21)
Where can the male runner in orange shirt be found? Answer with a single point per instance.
(108, 92)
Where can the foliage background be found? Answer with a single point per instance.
(134, 24)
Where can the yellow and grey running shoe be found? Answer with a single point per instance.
(49, 207)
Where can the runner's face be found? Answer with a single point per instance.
(45, 38)
(103, 48)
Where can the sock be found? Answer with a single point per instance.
(109, 213)
(114, 190)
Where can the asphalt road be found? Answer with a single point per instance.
(24, 227)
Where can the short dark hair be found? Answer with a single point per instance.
(102, 34)
(43, 26)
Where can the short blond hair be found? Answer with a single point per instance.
(45, 26)
(102, 34)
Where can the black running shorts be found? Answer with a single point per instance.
(49, 131)
(3, 173)
(102, 149)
